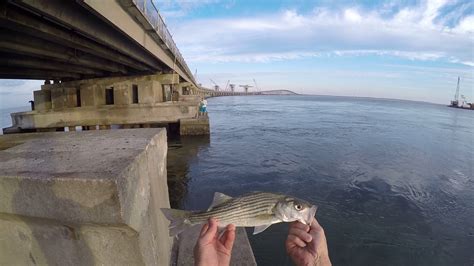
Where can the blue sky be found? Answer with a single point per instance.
(391, 49)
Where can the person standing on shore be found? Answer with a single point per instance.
(203, 107)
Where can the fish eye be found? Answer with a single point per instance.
(298, 207)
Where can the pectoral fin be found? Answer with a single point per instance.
(261, 228)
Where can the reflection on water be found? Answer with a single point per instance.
(182, 151)
(394, 180)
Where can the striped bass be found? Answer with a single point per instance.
(257, 209)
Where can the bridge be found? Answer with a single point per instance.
(95, 197)
(85, 39)
(106, 64)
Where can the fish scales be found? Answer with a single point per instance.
(261, 208)
(258, 209)
(241, 207)
(236, 204)
(239, 211)
(246, 213)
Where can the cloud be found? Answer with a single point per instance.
(171, 9)
(11, 83)
(415, 33)
(465, 25)
(15, 93)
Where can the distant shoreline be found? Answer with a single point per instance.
(349, 96)
(377, 98)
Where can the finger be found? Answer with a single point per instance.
(212, 231)
(204, 229)
(229, 237)
(301, 234)
(294, 240)
(229, 227)
(299, 225)
(315, 226)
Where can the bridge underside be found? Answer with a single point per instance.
(64, 40)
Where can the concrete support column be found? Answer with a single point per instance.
(190, 127)
(42, 100)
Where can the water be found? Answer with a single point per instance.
(393, 179)
(5, 118)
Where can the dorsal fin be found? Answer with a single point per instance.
(219, 198)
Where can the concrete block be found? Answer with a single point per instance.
(57, 99)
(146, 93)
(158, 89)
(99, 95)
(122, 93)
(193, 127)
(42, 100)
(168, 79)
(167, 92)
(63, 97)
(31, 241)
(87, 96)
(83, 198)
(190, 98)
(107, 115)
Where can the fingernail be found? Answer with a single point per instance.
(204, 230)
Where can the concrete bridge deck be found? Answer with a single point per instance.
(85, 39)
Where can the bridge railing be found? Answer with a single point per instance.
(150, 11)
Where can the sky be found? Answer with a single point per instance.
(412, 50)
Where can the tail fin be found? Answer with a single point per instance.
(179, 220)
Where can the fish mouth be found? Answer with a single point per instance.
(310, 214)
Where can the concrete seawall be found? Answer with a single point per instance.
(84, 198)
(91, 198)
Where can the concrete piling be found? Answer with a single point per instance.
(137, 101)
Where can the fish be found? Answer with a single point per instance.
(257, 209)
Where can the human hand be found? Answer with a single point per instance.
(212, 250)
(307, 245)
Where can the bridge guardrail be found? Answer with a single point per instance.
(151, 13)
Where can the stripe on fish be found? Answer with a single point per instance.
(257, 209)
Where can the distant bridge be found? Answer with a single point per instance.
(213, 93)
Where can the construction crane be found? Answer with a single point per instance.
(256, 87)
(455, 102)
(216, 87)
(246, 87)
(227, 85)
(232, 87)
